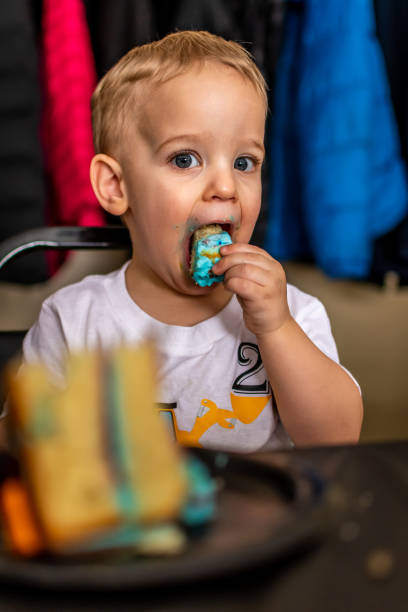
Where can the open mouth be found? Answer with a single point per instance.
(225, 227)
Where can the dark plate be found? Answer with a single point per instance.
(264, 511)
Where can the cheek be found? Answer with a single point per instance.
(172, 203)
(249, 218)
(253, 206)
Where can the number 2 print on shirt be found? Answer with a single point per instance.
(248, 398)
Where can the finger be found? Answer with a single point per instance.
(244, 288)
(248, 272)
(272, 285)
(245, 257)
(243, 247)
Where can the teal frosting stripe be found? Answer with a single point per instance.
(200, 506)
(127, 500)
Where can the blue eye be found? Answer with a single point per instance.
(244, 164)
(185, 160)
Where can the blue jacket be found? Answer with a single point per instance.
(337, 177)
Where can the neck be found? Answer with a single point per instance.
(172, 307)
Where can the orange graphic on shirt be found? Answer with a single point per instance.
(244, 409)
(247, 408)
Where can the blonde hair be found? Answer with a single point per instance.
(158, 62)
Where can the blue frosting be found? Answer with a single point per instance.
(200, 506)
(206, 253)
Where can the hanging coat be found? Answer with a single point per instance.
(337, 177)
(22, 185)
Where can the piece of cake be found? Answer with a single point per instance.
(99, 469)
(207, 241)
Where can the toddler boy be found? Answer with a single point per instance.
(245, 364)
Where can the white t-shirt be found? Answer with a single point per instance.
(212, 385)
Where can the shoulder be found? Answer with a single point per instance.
(309, 312)
(303, 304)
(71, 319)
(90, 290)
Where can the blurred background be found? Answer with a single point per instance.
(335, 203)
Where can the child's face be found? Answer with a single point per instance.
(194, 158)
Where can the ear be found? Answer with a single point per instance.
(107, 182)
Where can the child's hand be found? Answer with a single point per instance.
(259, 282)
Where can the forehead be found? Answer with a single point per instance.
(213, 96)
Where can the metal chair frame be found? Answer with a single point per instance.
(57, 238)
(64, 238)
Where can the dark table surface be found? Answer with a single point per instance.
(358, 562)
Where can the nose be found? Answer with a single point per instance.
(220, 184)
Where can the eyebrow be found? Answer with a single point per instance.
(258, 145)
(193, 137)
(178, 137)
